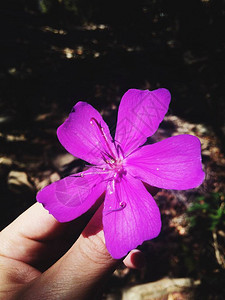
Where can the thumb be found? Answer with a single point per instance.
(77, 274)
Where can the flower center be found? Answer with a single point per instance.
(112, 156)
(118, 169)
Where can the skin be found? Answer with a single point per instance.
(41, 258)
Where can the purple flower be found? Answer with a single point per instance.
(119, 167)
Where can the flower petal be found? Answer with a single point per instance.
(72, 196)
(174, 163)
(130, 216)
(82, 137)
(140, 113)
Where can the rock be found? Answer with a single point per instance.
(5, 165)
(62, 161)
(6, 161)
(54, 177)
(160, 289)
(46, 178)
(19, 182)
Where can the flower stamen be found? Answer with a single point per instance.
(103, 135)
(122, 206)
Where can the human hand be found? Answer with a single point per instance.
(41, 258)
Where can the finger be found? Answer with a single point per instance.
(19, 239)
(35, 232)
(77, 274)
(135, 260)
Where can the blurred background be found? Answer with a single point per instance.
(56, 52)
